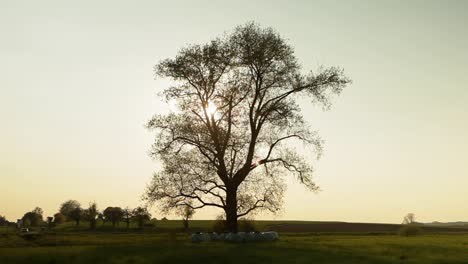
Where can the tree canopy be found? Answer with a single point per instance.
(68, 207)
(113, 214)
(231, 141)
(33, 218)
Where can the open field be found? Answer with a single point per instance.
(261, 225)
(167, 244)
(291, 248)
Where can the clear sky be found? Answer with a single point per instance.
(77, 86)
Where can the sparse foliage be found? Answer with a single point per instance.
(233, 137)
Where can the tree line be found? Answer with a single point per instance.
(72, 211)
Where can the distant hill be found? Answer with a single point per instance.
(344, 227)
(447, 224)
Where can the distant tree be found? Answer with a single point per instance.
(409, 219)
(247, 225)
(127, 216)
(59, 218)
(38, 211)
(26, 221)
(3, 220)
(113, 214)
(234, 138)
(50, 221)
(33, 218)
(76, 215)
(91, 215)
(101, 218)
(186, 212)
(141, 215)
(219, 224)
(68, 207)
(164, 219)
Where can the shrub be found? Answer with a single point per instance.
(219, 225)
(410, 230)
(247, 225)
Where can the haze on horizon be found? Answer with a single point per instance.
(77, 87)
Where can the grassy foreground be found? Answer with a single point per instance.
(174, 247)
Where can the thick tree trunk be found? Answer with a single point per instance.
(231, 209)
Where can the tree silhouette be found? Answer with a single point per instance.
(38, 211)
(186, 212)
(68, 207)
(230, 143)
(50, 220)
(3, 220)
(76, 215)
(33, 218)
(127, 216)
(141, 215)
(91, 215)
(113, 214)
(409, 219)
(59, 218)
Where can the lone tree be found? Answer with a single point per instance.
(231, 140)
(186, 212)
(409, 219)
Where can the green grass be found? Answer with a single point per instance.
(176, 248)
(167, 244)
(7, 230)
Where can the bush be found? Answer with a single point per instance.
(410, 230)
(59, 218)
(247, 225)
(219, 225)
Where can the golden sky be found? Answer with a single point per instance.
(76, 88)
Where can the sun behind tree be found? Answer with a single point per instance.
(234, 153)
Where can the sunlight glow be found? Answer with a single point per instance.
(211, 108)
